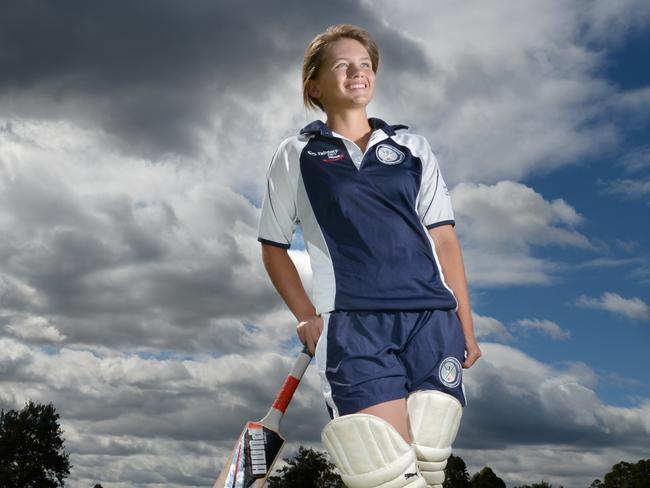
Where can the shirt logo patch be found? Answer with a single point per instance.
(389, 154)
(330, 156)
(450, 372)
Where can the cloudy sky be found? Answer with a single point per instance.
(134, 140)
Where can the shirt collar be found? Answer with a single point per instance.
(319, 127)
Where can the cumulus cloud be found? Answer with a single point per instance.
(500, 224)
(141, 421)
(171, 420)
(575, 468)
(490, 328)
(633, 308)
(35, 328)
(547, 327)
(534, 402)
(129, 195)
(481, 100)
(122, 253)
(474, 88)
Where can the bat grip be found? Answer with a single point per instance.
(293, 379)
(286, 393)
(281, 402)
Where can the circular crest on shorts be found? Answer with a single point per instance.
(389, 154)
(450, 372)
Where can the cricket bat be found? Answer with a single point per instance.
(260, 442)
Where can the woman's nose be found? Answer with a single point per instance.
(354, 69)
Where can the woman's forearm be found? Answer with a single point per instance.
(285, 278)
(451, 259)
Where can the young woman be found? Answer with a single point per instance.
(390, 315)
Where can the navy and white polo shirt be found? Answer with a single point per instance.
(364, 217)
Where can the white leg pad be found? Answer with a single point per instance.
(370, 453)
(434, 418)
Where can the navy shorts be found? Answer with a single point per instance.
(365, 358)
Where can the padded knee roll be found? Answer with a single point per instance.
(434, 418)
(370, 453)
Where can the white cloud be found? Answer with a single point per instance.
(490, 328)
(633, 308)
(629, 188)
(172, 418)
(604, 263)
(545, 326)
(106, 254)
(119, 252)
(171, 421)
(571, 468)
(512, 395)
(638, 158)
(500, 224)
(35, 328)
(642, 273)
(513, 89)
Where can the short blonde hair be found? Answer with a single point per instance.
(317, 48)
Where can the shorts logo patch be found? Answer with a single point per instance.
(389, 154)
(450, 372)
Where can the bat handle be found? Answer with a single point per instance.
(272, 418)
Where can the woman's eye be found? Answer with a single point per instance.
(341, 65)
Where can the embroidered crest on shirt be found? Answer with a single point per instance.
(389, 154)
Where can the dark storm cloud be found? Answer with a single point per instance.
(153, 72)
(100, 261)
(106, 268)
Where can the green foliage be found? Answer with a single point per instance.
(456, 475)
(311, 469)
(486, 478)
(308, 469)
(626, 475)
(543, 484)
(31, 448)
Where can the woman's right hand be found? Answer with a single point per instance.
(309, 330)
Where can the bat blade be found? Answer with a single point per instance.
(253, 456)
(260, 442)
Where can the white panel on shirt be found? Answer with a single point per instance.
(279, 210)
(433, 203)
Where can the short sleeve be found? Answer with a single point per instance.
(278, 216)
(434, 204)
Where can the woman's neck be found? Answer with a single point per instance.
(351, 124)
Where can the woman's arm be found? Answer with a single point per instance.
(451, 260)
(285, 278)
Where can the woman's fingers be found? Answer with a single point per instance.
(309, 332)
(473, 353)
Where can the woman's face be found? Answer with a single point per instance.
(346, 78)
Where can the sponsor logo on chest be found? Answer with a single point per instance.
(328, 156)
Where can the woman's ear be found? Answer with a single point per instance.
(312, 89)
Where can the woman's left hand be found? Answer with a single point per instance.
(473, 352)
